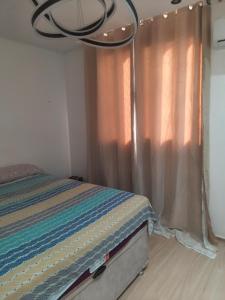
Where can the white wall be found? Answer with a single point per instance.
(33, 108)
(74, 70)
(217, 143)
(217, 136)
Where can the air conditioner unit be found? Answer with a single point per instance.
(219, 33)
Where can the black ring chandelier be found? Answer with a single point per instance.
(43, 10)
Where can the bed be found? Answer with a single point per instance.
(65, 239)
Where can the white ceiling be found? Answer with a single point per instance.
(15, 18)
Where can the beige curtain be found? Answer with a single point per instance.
(108, 93)
(168, 54)
(144, 106)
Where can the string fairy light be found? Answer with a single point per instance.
(141, 22)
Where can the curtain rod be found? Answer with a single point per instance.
(142, 20)
(204, 2)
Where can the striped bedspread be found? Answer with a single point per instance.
(53, 230)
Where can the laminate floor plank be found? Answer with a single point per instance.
(178, 273)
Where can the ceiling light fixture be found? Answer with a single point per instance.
(175, 2)
(44, 10)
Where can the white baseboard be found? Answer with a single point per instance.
(220, 237)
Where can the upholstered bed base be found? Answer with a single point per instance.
(120, 272)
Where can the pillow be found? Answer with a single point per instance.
(16, 172)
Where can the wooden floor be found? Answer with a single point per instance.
(177, 273)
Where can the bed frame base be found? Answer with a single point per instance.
(121, 271)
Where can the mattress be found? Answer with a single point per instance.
(53, 230)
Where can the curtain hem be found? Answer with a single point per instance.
(186, 240)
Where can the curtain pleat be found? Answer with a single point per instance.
(108, 94)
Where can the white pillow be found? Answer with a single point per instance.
(15, 172)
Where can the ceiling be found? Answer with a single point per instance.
(15, 18)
